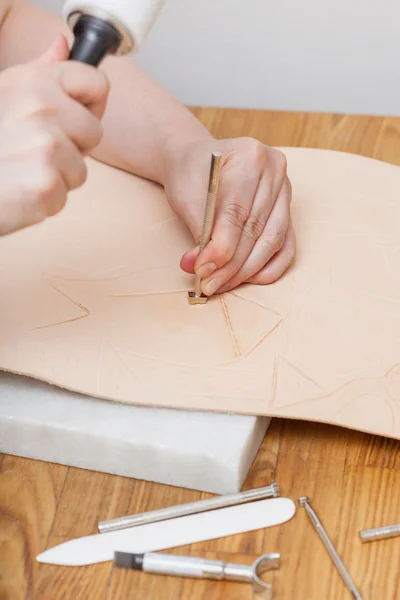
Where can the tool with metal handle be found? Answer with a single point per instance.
(380, 533)
(197, 297)
(190, 508)
(305, 502)
(202, 568)
(103, 27)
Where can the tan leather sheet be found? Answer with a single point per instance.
(94, 301)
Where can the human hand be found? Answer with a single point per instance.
(49, 119)
(253, 239)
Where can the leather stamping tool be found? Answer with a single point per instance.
(337, 561)
(197, 297)
(190, 508)
(202, 568)
(380, 533)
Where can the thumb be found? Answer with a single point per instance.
(186, 190)
(58, 51)
(192, 214)
(188, 260)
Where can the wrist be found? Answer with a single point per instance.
(178, 143)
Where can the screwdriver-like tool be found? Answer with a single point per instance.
(380, 533)
(202, 568)
(197, 297)
(305, 501)
(190, 508)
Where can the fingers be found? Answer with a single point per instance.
(57, 52)
(279, 263)
(52, 166)
(79, 99)
(53, 197)
(188, 260)
(70, 163)
(86, 85)
(44, 194)
(252, 183)
(267, 245)
(252, 220)
(56, 152)
(237, 189)
(87, 90)
(80, 125)
(250, 233)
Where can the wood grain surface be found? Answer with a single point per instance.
(352, 478)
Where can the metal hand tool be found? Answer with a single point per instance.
(305, 502)
(197, 297)
(190, 508)
(380, 533)
(202, 568)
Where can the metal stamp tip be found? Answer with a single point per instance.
(303, 500)
(193, 299)
(275, 489)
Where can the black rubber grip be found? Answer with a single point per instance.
(94, 39)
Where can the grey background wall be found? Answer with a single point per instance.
(314, 55)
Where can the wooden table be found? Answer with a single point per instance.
(353, 478)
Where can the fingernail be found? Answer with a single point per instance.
(206, 270)
(212, 286)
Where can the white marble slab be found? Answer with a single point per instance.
(202, 451)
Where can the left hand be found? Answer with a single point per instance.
(253, 239)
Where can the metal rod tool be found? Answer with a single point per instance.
(190, 508)
(202, 568)
(305, 502)
(380, 533)
(197, 297)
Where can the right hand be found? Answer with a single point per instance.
(50, 113)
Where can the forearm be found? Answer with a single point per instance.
(142, 122)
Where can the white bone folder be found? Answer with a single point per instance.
(172, 533)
